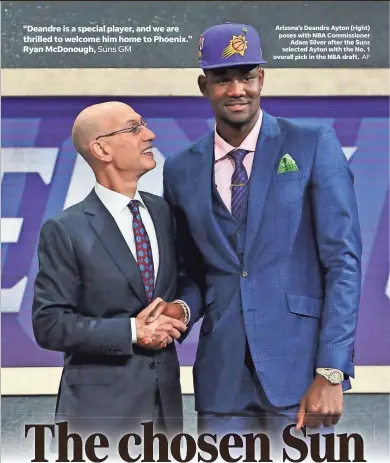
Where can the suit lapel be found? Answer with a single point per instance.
(161, 227)
(264, 165)
(107, 231)
(203, 162)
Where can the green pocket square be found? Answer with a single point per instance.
(287, 164)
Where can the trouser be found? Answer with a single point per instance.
(254, 414)
(113, 429)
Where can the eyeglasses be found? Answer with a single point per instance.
(135, 128)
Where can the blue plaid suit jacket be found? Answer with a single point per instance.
(298, 285)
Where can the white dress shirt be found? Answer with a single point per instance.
(117, 205)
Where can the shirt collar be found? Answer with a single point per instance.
(222, 147)
(115, 202)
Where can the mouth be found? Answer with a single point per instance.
(148, 151)
(239, 106)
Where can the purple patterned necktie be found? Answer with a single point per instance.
(239, 185)
(144, 250)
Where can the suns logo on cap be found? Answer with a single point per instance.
(237, 45)
(200, 47)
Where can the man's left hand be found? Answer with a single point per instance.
(321, 405)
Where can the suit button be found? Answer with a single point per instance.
(152, 365)
(244, 274)
(241, 311)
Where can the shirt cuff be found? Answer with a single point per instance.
(188, 314)
(133, 331)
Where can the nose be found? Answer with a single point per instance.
(236, 89)
(148, 134)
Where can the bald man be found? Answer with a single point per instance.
(103, 265)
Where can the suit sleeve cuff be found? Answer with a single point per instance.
(338, 359)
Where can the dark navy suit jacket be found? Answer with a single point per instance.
(87, 288)
(297, 285)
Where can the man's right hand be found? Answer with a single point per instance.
(170, 309)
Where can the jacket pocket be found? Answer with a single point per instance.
(290, 176)
(304, 305)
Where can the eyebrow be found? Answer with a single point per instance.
(131, 121)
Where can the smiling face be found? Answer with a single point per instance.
(124, 141)
(234, 93)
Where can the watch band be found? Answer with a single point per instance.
(333, 375)
(185, 310)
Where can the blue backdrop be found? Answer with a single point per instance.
(42, 173)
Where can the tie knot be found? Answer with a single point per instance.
(238, 155)
(133, 205)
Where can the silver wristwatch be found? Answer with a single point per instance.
(332, 375)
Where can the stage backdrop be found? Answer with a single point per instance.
(42, 173)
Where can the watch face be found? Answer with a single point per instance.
(336, 377)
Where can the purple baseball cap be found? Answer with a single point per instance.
(229, 44)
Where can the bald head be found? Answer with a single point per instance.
(94, 121)
(115, 141)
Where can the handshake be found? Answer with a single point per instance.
(159, 324)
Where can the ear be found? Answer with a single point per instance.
(100, 151)
(261, 78)
(202, 84)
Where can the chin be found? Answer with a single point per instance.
(149, 164)
(239, 119)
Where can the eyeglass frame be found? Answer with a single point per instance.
(133, 129)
